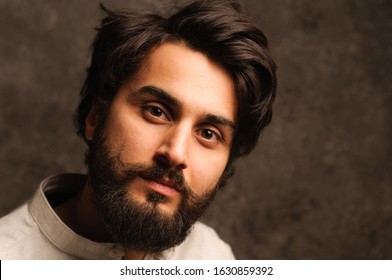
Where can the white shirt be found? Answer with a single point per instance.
(34, 231)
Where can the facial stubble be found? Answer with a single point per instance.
(141, 226)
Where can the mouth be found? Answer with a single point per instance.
(163, 186)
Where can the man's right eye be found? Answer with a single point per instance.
(155, 113)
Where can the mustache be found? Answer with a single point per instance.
(155, 172)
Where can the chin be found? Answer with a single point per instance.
(157, 201)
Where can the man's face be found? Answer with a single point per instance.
(167, 135)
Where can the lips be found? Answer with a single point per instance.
(167, 183)
(163, 186)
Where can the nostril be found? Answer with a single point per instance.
(163, 160)
(166, 160)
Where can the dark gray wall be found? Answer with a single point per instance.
(318, 186)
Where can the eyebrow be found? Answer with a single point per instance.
(170, 100)
(218, 120)
(160, 94)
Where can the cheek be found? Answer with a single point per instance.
(134, 138)
(207, 170)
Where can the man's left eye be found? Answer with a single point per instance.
(207, 134)
(210, 135)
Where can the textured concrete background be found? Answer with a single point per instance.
(318, 186)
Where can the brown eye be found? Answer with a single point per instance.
(155, 114)
(156, 111)
(207, 134)
(209, 137)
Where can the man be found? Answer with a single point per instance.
(169, 103)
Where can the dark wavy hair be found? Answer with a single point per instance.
(218, 29)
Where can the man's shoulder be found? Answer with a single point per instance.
(12, 223)
(22, 238)
(15, 228)
(202, 243)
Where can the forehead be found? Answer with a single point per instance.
(189, 76)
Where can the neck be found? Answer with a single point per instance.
(81, 215)
(133, 255)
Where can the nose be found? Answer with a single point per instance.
(173, 149)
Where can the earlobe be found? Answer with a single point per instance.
(91, 124)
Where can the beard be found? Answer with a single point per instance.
(141, 225)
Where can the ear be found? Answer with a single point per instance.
(91, 123)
